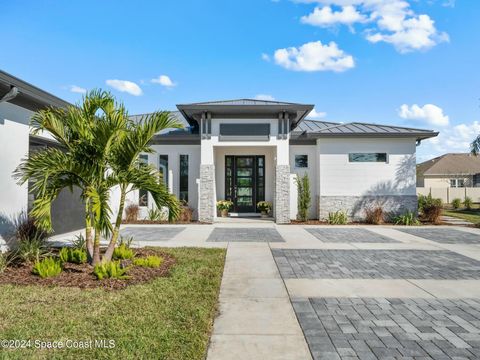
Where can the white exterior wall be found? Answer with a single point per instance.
(311, 171)
(173, 152)
(14, 140)
(339, 177)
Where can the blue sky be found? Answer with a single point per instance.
(410, 63)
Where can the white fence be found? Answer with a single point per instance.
(448, 194)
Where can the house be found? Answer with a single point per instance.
(250, 150)
(242, 150)
(18, 101)
(450, 171)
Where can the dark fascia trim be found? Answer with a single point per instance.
(30, 96)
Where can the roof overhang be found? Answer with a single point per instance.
(317, 135)
(29, 97)
(193, 112)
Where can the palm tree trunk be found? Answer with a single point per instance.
(96, 247)
(88, 231)
(116, 230)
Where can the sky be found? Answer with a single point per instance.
(411, 63)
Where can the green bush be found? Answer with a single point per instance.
(47, 267)
(408, 218)
(154, 214)
(468, 202)
(123, 252)
(456, 203)
(110, 270)
(151, 261)
(304, 197)
(71, 255)
(31, 250)
(337, 218)
(79, 242)
(430, 208)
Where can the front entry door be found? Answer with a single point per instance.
(245, 182)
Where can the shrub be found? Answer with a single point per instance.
(304, 197)
(26, 229)
(47, 267)
(374, 215)
(224, 204)
(131, 212)
(6, 258)
(31, 250)
(110, 270)
(264, 206)
(71, 255)
(186, 213)
(79, 242)
(468, 203)
(456, 203)
(151, 261)
(123, 252)
(154, 214)
(431, 208)
(408, 218)
(125, 240)
(337, 218)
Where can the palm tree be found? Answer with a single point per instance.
(475, 146)
(91, 135)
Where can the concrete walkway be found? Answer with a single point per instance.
(256, 319)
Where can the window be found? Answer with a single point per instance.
(457, 183)
(184, 178)
(301, 161)
(163, 168)
(367, 157)
(143, 194)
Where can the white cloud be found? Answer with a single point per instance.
(125, 86)
(77, 89)
(325, 17)
(164, 80)
(265, 57)
(314, 114)
(392, 21)
(314, 56)
(428, 113)
(265, 97)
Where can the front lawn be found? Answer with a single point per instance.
(167, 318)
(472, 215)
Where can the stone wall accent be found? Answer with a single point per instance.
(206, 201)
(355, 205)
(282, 194)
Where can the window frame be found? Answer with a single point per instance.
(351, 154)
(187, 175)
(295, 161)
(160, 166)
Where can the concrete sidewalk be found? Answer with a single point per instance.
(256, 319)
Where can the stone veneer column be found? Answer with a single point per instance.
(282, 194)
(206, 206)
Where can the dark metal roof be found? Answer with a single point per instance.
(246, 108)
(29, 97)
(308, 125)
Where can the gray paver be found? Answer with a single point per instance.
(443, 235)
(423, 315)
(374, 264)
(348, 235)
(245, 234)
(152, 233)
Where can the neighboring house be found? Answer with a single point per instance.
(449, 171)
(250, 150)
(18, 101)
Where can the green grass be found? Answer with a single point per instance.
(469, 215)
(168, 318)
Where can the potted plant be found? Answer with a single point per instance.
(265, 207)
(223, 206)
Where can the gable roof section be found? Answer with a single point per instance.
(451, 164)
(358, 129)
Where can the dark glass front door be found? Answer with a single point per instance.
(244, 182)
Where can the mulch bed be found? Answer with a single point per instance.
(81, 275)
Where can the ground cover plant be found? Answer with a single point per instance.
(339, 217)
(168, 317)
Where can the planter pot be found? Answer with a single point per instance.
(264, 214)
(224, 213)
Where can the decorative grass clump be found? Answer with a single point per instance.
(151, 261)
(408, 219)
(76, 256)
(123, 252)
(47, 267)
(337, 218)
(110, 270)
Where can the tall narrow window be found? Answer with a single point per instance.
(163, 168)
(143, 194)
(184, 178)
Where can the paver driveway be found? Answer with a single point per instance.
(444, 235)
(348, 235)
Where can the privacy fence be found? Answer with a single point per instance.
(448, 194)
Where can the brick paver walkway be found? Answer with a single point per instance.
(348, 235)
(151, 233)
(443, 235)
(245, 235)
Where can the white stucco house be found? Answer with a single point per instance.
(242, 150)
